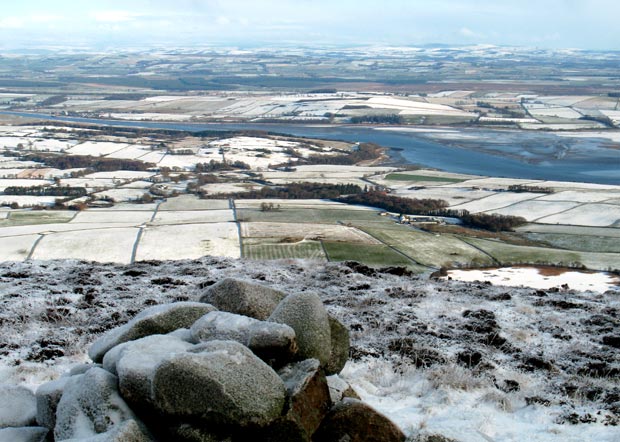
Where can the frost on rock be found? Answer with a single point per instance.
(243, 297)
(90, 405)
(18, 406)
(272, 342)
(306, 314)
(241, 389)
(23, 434)
(160, 319)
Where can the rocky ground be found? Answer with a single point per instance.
(460, 359)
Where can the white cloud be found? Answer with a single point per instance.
(45, 18)
(11, 23)
(114, 16)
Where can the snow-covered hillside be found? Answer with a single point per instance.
(469, 361)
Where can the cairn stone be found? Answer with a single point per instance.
(340, 389)
(137, 363)
(159, 319)
(272, 342)
(340, 346)
(128, 431)
(243, 298)
(305, 313)
(225, 383)
(354, 421)
(90, 405)
(48, 395)
(307, 395)
(18, 406)
(24, 434)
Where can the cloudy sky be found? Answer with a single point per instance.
(587, 24)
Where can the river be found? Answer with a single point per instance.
(491, 152)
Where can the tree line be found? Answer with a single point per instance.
(74, 192)
(434, 207)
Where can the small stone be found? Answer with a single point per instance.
(352, 420)
(308, 398)
(340, 389)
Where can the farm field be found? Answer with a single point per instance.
(28, 217)
(194, 216)
(601, 215)
(17, 248)
(507, 254)
(273, 248)
(102, 245)
(191, 202)
(429, 249)
(372, 254)
(295, 231)
(307, 215)
(533, 210)
(584, 243)
(190, 241)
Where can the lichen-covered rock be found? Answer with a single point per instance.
(308, 398)
(340, 346)
(159, 319)
(18, 406)
(223, 384)
(128, 431)
(23, 434)
(90, 405)
(137, 363)
(48, 395)
(354, 421)
(305, 313)
(270, 341)
(340, 389)
(243, 297)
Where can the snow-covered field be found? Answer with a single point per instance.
(533, 210)
(496, 201)
(469, 361)
(602, 215)
(194, 216)
(190, 241)
(96, 148)
(103, 245)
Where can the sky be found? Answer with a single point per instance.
(584, 24)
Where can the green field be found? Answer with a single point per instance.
(370, 254)
(302, 215)
(270, 248)
(583, 243)
(27, 218)
(410, 177)
(508, 254)
(427, 248)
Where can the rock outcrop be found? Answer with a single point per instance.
(188, 372)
